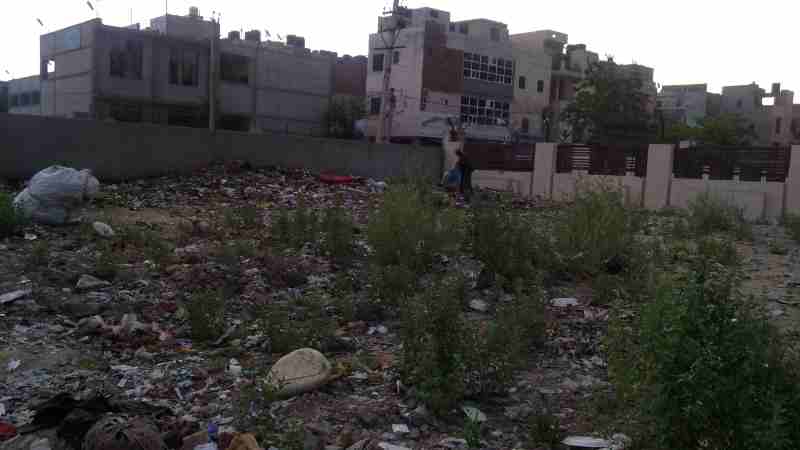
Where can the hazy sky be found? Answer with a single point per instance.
(720, 42)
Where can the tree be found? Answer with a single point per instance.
(609, 104)
(725, 129)
(341, 116)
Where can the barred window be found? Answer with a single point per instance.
(484, 111)
(493, 70)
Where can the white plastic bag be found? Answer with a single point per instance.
(54, 194)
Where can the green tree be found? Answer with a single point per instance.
(725, 129)
(341, 116)
(609, 104)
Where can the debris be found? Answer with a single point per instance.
(453, 443)
(300, 371)
(474, 414)
(103, 229)
(386, 446)
(13, 365)
(788, 303)
(7, 431)
(564, 302)
(245, 441)
(479, 305)
(234, 368)
(55, 194)
(87, 282)
(400, 428)
(41, 444)
(585, 442)
(115, 432)
(14, 295)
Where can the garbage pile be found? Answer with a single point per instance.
(55, 195)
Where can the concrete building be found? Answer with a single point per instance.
(24, 96)
(168, 73)
(3, 96)
(441, 68)
(771, 121)
(687, 104)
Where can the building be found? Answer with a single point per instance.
(24, 96)
(442, 69)
(772, 120)
(687, 104)
(3, 96)
(168, 73)
(350, 76)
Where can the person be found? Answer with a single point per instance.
(465, 167)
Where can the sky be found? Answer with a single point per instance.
(719, 42)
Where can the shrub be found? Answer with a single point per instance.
(705, 370)
(392, 283)
(337, 226)
(596, 230)
(408, 230)
(710, 214)
(11, 219)
(294, 229)
(792, 224)
(206, 315)
(545, 429)
(505, 243)
(447, 357)
(289, 327)
(245, 217)
(107, 262)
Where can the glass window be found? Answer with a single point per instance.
(183, 68)
(375, 105)
(234, 68)
(377, 62)
(492, 70)
(396, 57)
(125, 59)
(540, 86)
(36, 97)
(494, 34)
(522, 82)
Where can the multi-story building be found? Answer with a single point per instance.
(687, 104)
(178, 72)
(24, 96)
(3, 96)
(771, 122)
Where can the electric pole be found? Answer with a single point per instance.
(392, 25)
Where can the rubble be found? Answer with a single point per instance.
(55, 195)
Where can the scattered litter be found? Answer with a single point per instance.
(55, 194)
(474, 414)
(479, 305)
(234, 368)
(13, 365)
(585, 442)
(31, 237)
(564, 302)
(14, 295)
(7, 431)
(400, 428)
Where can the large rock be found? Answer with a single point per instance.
(298, 372)
(103, 229)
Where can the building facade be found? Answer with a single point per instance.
(771, 119)
(24, 96)
(179, 72)
(687, 104)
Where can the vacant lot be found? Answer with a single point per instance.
(550, 320)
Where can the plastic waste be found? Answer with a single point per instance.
(54, 194)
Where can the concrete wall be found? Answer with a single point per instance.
(565, 185)
(115, 151)
(757, 200)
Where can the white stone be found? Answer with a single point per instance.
(89, 282)
(103, 229)
(585, 442)
(387, 446)
(400, 428)
(14, 295)
(479, 305)
(474, 414)
(564, 302)
(300, 371)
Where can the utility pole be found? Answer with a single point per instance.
(213, 64)
(388, 100)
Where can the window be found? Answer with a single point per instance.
(522, 82)
(14, 100)
(126, 59)
(494, 34)
(36, 97)
(739, 103)
(48, 67)
(452, 28)
(183, 68)
(494, 70)
(463, 28)
(540, 86)
(483, 111)
(423, 103)
(778, 123)
(375, 105)
(25, 99)
(234, 68)
(526, 125)
(434, 14)
(396, 57)
(377, 62)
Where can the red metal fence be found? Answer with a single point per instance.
(499, 156)
(723, 163)
(602, 160)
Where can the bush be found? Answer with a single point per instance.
(792, 224)
(705, 370)
(11, 219)
(244, 217)
(408, 230)
(290, 327)
(596, 231)
(206, 315)
(505, 243)
(294, 229)
(447, 357)
(710, 214)
(337, 227)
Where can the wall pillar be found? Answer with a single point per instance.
(792, 196)
(659, 176)
(544, 168)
